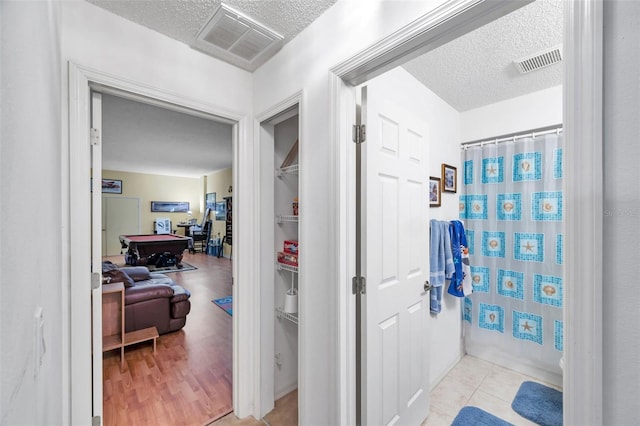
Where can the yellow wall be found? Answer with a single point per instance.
(219, 182)
(159, 188)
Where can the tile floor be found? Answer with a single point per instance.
(471, 382)
(481, 384)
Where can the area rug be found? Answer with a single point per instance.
(474, 416)
(226, 303)
(539, 403)
(167, 269)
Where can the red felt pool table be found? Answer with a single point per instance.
(144, 246)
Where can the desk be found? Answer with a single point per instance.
(187, 228)
(145, 245)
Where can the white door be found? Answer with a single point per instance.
(96, 248)
(395, 262)
(120, 216)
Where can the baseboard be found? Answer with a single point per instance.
(436, 381)
(525, 367)
(285, 391)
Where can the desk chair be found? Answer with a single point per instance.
(201, 236)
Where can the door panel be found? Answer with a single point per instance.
(395, 259)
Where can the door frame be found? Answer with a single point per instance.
(264, 123)
(582, 99)
(77, 297)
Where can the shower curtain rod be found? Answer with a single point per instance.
(513, 136)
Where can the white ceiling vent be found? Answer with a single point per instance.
(539, 60)
(229, 33)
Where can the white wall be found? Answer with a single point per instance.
(621, 340)
(303, 64)
(30, 212)
(101, 40)
(530, 111)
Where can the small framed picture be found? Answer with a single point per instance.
(434, 192)
(449, 178)
(112, 186)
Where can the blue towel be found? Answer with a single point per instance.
(440, 261)
(458, 244)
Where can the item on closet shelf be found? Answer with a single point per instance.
(288, 258)
(291, 155)
(291, 246)
(295, 206)
(291, 301)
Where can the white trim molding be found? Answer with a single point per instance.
(583, 180)
(582, 95)
(78, 336)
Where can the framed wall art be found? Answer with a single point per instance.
(435, 195)
(210, 200)
(170, 206)
(112, 186)
(449, 178)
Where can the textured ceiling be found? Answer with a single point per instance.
(182, 19)
(477, 69)
(472, 71)
(147, 139)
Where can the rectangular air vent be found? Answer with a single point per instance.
(539, 60)
(230, 32)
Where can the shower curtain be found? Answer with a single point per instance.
(512, 209)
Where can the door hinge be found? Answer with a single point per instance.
(95, 136)
(359, 285)
(96, 280)
(96, 421)
(359, 133)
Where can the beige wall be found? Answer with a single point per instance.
(159, 188)
(219, 182)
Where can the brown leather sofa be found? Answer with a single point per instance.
(150, 299)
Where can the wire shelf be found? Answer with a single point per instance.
(289, 170)
(286, 315)
(287, 218)
(285, 267)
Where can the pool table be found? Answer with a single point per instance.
(143, 246)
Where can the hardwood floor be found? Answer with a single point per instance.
(188, 381)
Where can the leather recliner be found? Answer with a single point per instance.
(150, 299)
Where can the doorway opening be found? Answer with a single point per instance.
(282, 288)
(86, 364)
(354, 72)
(154, 153)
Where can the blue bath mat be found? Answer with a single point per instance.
(225, 303)
(474, 416)
(539, 403)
